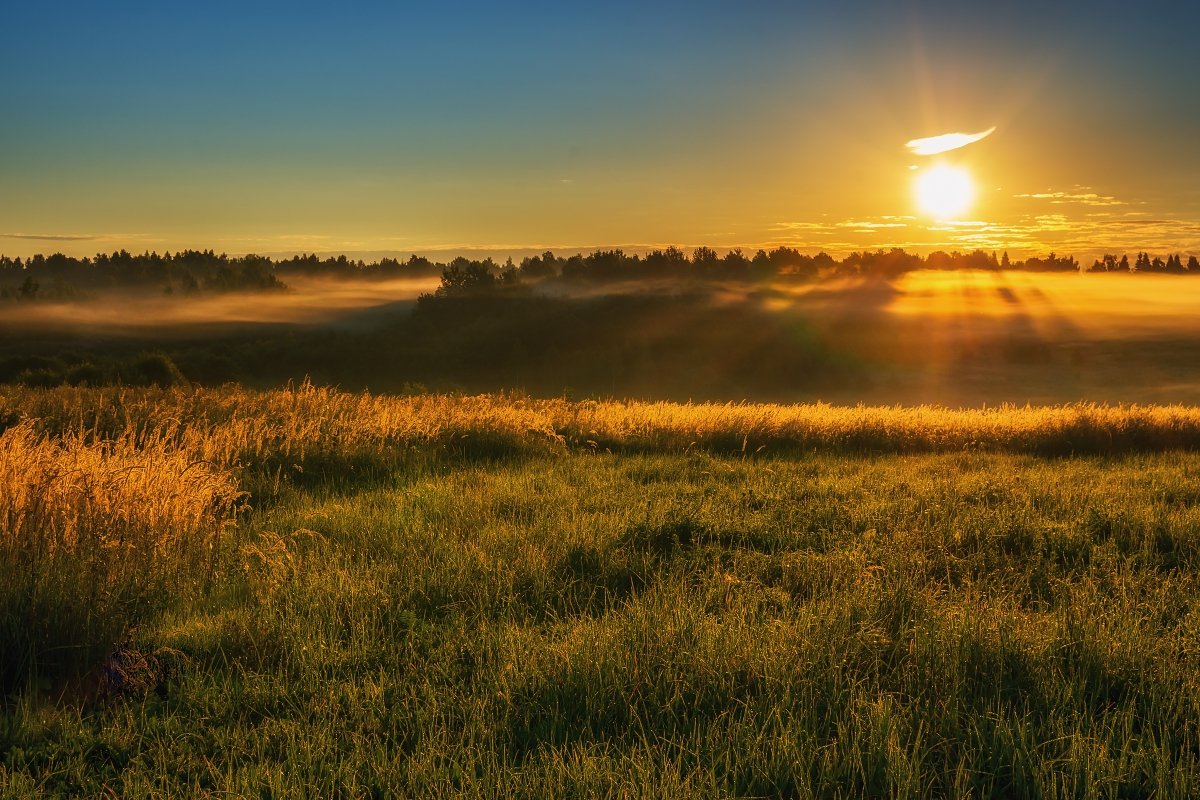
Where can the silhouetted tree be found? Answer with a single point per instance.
(153, 369)
(671, 262)
(737, 266)
(188, 272)
(939, 259)
(705, 261)
(535, 268)
(29, 289)
(463, 278)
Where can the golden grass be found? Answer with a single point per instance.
(114, 493)
(948, 625)
(92, 535)
(63, 497)
(307, 425)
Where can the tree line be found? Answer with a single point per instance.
(189, 272)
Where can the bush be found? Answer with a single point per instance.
(86, 374)
(40, 378)
(208, 369)
(12, 367)
(153, 369)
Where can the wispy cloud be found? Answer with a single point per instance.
(1081, 197)
(932, 145)
(802, 226)
(275, 239)
(959, 225)
(51, 237)
(869, 225)
(882, 223)
(1061, 231)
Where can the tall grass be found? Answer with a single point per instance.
(92, 537)
(841, 615)
(579, 625)
(309, 426)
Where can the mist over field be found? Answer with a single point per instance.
(1052, 306)
(971, 337)
(953, 337)
(309, 301)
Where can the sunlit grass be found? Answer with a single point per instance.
(494, 596)
(95, 536)
(324, 428)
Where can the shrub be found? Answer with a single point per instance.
(153, 369)
(85, 374)
(13, 366)
(40, 378)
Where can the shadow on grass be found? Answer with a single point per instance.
(347, 473)
(684, 534)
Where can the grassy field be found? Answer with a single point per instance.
(313, 594)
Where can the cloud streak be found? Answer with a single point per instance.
(932, 145)
(1030, 234)
(1082, 198)
(50, 237)
(868, 225)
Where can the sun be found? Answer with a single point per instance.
(943, 191)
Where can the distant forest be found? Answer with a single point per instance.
(606, 324)
(62, 278)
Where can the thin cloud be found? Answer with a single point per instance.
(1082, 198)
(1060, 231)
(959, 224)
(283, 237)
(51, 237)
(868, 225)
(802, 226)
(932, 145)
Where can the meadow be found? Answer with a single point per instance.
(305, 592)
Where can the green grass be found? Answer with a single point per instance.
(571, 623)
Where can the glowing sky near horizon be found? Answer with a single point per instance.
(402, 127)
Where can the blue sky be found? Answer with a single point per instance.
(278, 127)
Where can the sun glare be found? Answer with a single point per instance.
(943, 191)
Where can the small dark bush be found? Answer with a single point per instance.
(153, 369)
